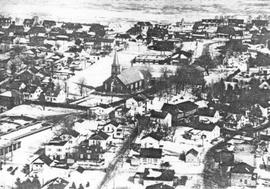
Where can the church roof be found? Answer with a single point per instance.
(133, 75)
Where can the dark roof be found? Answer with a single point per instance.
(226, 30)
(104, 106)
(235, 21)
(171, 108)
(193, 152)
(265, 137)
(57, 182)
(242, 168)
(72, 133)
(49, 23)
(36, 30)
(57, 143)
(150, 153)
(159, 186)
(166, 174)
(28, 21)
(123, 36)
(260, 22)
(155, 136)
(45, 159)
(205, 127)
(99, 136)
(80, 169)
(206, 112)
(159, 115)
(187, 106)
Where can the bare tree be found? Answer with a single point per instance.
(81, 85)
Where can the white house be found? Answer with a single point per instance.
(57, 96)
(208, 115)
(113, 129)
(57, 149)
(192, 156)
(100, 138)
(152, 140)
(207, 132)
(161, 118)
(39, 163)
(102, 111)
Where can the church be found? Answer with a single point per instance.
(128, 81)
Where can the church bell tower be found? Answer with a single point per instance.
(115, 65)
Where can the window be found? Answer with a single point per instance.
(240, 180)
(245, 181)
(88, 156)
(81, 156)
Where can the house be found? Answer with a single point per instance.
(37, 31)
(63, 145)
(88, 155)
(236, 120)
(151, 140)
(101, 111)
(150, 156)
(136, 104)
(31, 92)
(265, 109)
(48, 23)
(56, 95)
(244, 147)
(161, 118)
(15, 29)
(99, 138)
(40, 162)
(225, 31)
(192, 156)
(113, 129)
(260, 23)
(155, 176)
(5, 21)
(180, 110)
(28, 22)
(207, 132)
(37, 41)
(56, 183)
(242, 175)
(208, 115)
(131, 80)
(264, 85)
(57, 149)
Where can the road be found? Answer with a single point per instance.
(116, 163)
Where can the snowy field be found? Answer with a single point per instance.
(36, 111)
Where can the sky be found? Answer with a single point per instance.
(114, 10)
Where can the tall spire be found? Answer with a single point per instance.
(115, 65)
(115, 58)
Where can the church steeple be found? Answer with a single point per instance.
(115, 65)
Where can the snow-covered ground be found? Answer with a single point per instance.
(36, 111)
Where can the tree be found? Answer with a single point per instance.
(81, 186)
(78, 42)
(73, 186)
(18, 184)
(81, 85)
(206, 62)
